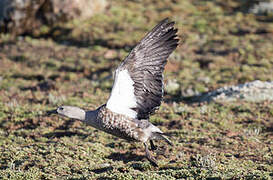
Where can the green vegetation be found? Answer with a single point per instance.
(72, 64)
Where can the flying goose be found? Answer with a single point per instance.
(137, 91)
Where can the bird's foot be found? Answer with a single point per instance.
(149, 156)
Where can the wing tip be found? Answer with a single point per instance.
(164, 21)
(163, 25)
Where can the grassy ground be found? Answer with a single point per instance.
(72, 64)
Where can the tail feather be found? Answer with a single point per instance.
(162, 137)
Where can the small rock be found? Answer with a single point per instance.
(172, 86)
(26, 16)
(252, 91)
(262, 8)
(190, 92)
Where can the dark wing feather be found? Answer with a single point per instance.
(146, 63)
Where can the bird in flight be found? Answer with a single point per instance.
(137, 91)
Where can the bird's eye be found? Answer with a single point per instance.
(61, 108)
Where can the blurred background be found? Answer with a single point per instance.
(65, 52)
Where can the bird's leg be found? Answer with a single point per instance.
(153, 147)
(149, 156)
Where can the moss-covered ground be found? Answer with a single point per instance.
(72, 64)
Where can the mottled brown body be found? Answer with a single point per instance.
(118, 124)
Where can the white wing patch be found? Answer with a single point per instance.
(122, 97)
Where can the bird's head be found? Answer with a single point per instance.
(70, 112)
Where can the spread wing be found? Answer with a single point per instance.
(138, 88)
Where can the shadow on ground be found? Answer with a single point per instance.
(125, 157)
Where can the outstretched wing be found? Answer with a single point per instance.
(138, 86)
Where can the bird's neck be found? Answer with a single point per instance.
(91, 118)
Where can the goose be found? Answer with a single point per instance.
(136, 93)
